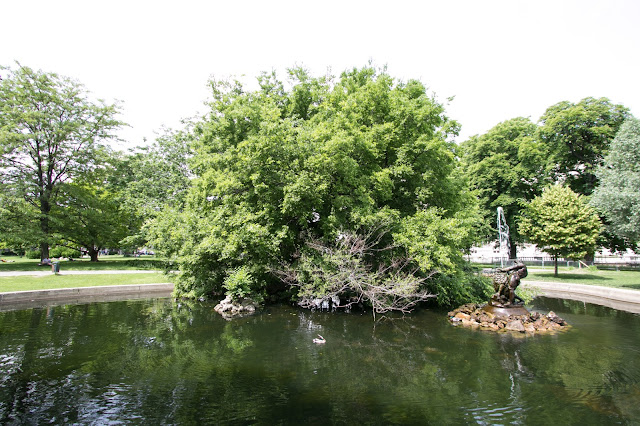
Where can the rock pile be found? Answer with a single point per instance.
(230, 308)
(472, 315)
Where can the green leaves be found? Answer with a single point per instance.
(276, 168)
(577, 138)
(561, 223)
(505, 166)
(50, 134)
(618, 195)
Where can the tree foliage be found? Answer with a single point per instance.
(50, 133)
(511, 163)
(155, 176)
(90, 216)
(151, 181)
(577, 137)
(561, 223)
(618, 196)
(506, 168)
(277, 168)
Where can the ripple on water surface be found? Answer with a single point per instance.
(158, 362)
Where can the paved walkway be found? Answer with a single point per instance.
(88, 272)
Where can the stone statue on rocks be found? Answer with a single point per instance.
(505, 282)
(505, 311)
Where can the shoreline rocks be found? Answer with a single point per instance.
(230, 308)
(472, 315)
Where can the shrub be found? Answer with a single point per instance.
(32, 254)
(64, 252)
(240, 284)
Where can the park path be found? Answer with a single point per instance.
(91, 272)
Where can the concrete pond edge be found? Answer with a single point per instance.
(612, 297)
(78, 295)
(616, 298)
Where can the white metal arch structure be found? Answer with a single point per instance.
(503, 236)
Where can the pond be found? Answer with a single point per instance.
(161, 362)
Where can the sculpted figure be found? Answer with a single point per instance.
(505, 294)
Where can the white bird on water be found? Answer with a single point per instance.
(319, 340)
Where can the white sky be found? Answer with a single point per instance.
(500, 59)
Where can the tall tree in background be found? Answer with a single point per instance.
(561, 223)
(577, 137)
(49, 134)
(150, 181)
(618, 195)
(506, 168)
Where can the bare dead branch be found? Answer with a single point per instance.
(341, 276)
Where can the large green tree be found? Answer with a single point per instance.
(279, 169)
(506, 168)
(91, 217)
(577, 137)
(561, 223)
(50, 132)
(617, 197)
(150, 181)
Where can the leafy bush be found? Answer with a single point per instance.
(240, 284)
(64, 252)
(32, 254)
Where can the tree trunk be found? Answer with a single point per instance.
(44, 250)
(45, 209)
(513, 251)
(555, 261)
(93, 254)
(589, 258)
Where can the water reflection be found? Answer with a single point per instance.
(160, 362)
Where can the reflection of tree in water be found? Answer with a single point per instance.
(590, 366)
(182, 363)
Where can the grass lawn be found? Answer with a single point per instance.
(47, 282)
(15, 263)
(620, 279)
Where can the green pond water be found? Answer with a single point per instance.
(160, 362)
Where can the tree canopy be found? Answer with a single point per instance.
(618, 195)
(577, 137)
(506, 168)
(561, 223)
(278, 169)
(151, 180)
(91, 216)
(50, 133)
(512, 162)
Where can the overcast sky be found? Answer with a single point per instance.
(500, 59)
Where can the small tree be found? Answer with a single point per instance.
(561, 223)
